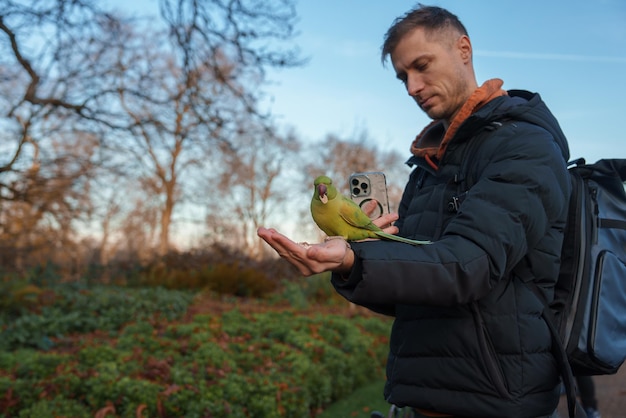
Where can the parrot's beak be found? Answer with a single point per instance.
(321, 190)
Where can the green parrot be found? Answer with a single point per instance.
(337, 215)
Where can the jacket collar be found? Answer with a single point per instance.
(432, 142)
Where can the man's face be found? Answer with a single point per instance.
(436, 71)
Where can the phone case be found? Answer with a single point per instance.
(371, 185)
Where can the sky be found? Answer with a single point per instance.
(571, 52)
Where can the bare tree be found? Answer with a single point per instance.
(199, 90)
(53, 61)
(45, 200)
(250, 33)
(158, 97)
(253, 185)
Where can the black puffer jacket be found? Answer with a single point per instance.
(468, 338)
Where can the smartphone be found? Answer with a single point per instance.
(371, 185)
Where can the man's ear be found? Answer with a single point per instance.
(464, 46)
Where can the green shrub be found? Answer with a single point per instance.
(39, 366)
(77, 309)
(58, 407)
(232, 364)
(129, 394)
(294, 293)
(18, 394)
(235, 279)
(161, 275)
(18, 297)
(97, 386)
(92, 356)
(65, 382)
(189, 401)
(213, 358)
(304, 292)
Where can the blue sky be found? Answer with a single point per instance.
(572, 52)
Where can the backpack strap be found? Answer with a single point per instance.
(574, 407)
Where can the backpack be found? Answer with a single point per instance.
(590, 294)
(587, 318)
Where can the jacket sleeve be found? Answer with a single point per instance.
(520, 193)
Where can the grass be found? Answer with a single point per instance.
(360, 404)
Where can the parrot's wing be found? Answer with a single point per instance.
(354, 215)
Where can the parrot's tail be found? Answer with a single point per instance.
(385, 235)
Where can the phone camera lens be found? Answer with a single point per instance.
(355, 182)
(364, 186)
(356, 191)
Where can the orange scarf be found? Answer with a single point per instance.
(481, 96)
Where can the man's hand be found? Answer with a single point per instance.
(384, 222)
(331, 255)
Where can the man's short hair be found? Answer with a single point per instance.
(431, 18)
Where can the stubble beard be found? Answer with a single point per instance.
(450, 106)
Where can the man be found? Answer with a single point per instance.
(490, 189)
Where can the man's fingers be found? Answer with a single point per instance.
(307, 258)
(386, 221)
(369, 207)
(292, 252)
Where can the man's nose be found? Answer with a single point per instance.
(414, 85)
